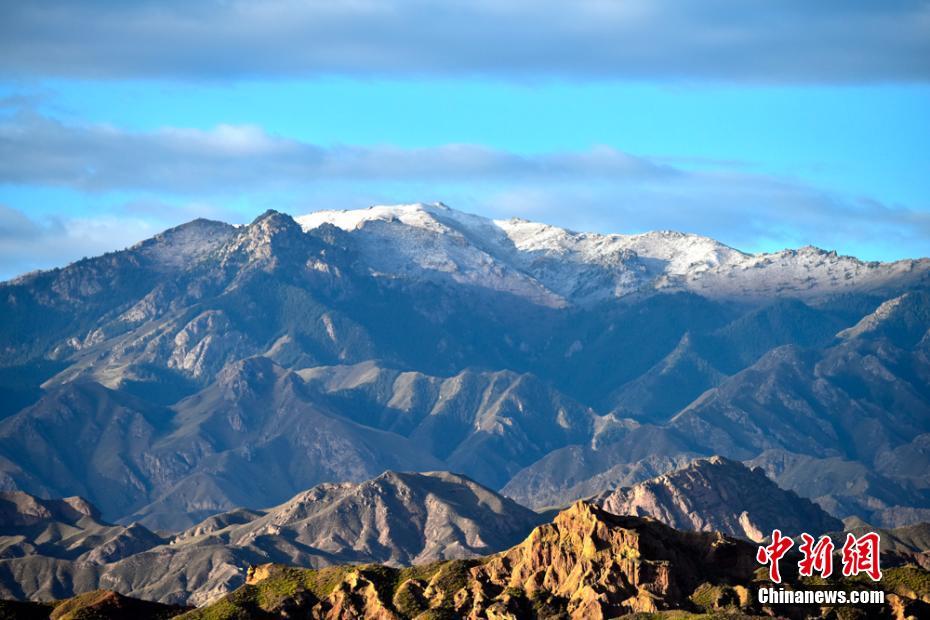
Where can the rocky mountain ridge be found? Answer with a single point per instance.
(184, 376)
(398, 519)
(720, 495)
(52, 549)
(555, 266)
(587, 563)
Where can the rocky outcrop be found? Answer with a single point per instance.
(718, 494)
(586, 564)
(603, 565)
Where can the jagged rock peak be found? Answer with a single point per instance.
(272, 219)
(273, 227)
(605, 565)
(718, 494)
(263, 240)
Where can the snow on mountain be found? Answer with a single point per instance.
(432, 241)
(186, 244)
(555, 266)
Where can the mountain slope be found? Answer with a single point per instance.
(848, 488)
(396, 518)
(53, 549)
(58, 548)
(99, 605)
(615, 458)
(231, 444)
(487, 425)
(81, 438)
(720, 495)
(216, 366)
(69, 529)
(860, 400)
(587, 563)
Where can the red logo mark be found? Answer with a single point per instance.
(817, 557)
(773, 553)
(860, 555)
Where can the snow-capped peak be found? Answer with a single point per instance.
(431, 241)
(555, 266)
(418, 215)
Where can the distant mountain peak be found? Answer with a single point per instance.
(271, 225)
(186, 244)
(272, 219)
(20, 508)
(723, 495)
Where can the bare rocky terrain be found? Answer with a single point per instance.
(719, 495)
(161, 382)
(213, 371)
(56, 549)
(586, 563)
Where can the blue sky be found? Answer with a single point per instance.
(763, 124)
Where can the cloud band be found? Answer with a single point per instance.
(798, 41)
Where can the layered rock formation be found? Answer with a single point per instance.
(604, 565)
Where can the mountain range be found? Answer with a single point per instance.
(54, 549)
(215, 370)
(180, 377)
(586, 563)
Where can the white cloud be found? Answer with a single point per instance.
(244, 170)
(37, 150)
(29, 243)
